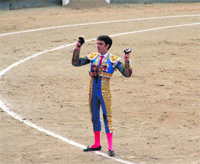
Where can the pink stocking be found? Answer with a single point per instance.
(97, 140)
(109, 138)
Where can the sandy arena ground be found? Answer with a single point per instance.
(156, 112)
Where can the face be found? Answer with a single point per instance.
(102, 49)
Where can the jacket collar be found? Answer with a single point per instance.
(105, 56)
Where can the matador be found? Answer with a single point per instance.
(103, 64)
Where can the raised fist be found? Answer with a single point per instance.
(81, 41)
(127, 50)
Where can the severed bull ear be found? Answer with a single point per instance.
(127, 50)
(81, 40)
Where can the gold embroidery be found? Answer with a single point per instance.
(127, 68)
(104, 74)
(92, 56)
(90, 96)
(114, 58)
(107, 97)
(75, 57)
(104, 67)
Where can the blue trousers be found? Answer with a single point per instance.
(100, 96)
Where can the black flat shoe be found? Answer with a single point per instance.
(111, 153)
(92, 149)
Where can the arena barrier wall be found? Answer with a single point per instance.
(152, 1)
(19, 4)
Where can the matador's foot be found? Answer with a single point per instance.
(111, 153)
(92, 149)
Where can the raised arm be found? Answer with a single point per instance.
(126, 68)
(76, 60)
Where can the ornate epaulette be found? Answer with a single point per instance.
(92, 56)
(114, 58)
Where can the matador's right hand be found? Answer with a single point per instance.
(80, 42)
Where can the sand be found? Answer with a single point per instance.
(155, 112)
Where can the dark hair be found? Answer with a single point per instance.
(106, 39)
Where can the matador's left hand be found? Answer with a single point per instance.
(127, 52)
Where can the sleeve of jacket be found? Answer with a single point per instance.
(77, 61)
(125, 69)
